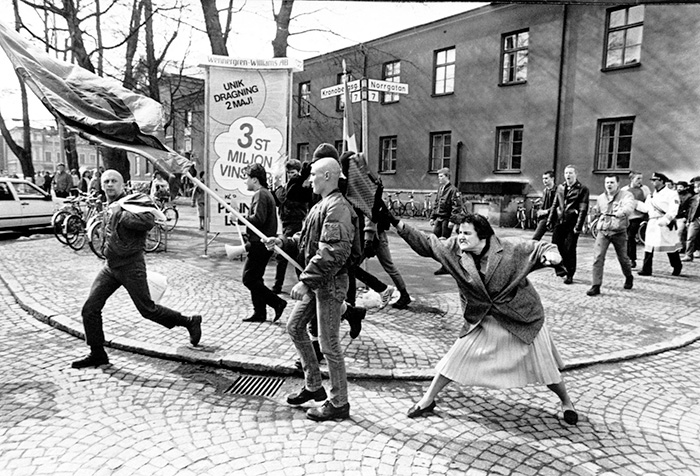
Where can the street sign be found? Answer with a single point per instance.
(372, 96)
(387, 86)
(339, 89)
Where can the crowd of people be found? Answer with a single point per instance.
(333, 218)
(669, 209)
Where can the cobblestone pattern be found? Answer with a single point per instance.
(145, 416)
(657, 310)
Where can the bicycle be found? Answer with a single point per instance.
(590, 224)
(427, 210)
(641, 233)
(395, 206)
(71, 206)
(410, 208)
(532, 216)
(521, 215)
(170, 212)
(75, 226)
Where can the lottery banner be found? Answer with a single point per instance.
(247, 120)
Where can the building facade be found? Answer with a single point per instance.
(503, 93)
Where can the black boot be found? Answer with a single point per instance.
(194, 326)
(95, 358)
(403, 301)
(354, 316)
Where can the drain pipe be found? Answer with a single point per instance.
(460, 145)
(560, 90)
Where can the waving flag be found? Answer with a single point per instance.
(349, 136)
(99, 109)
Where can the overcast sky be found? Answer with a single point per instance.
(343, 23)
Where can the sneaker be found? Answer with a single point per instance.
(305, 395)
(594, 291)
(194, 326)
(93, 359)
(629, 281)
(402, 302)
(329, 412)
(386, 296)
(687, 258)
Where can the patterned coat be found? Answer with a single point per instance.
(505, 291)
(662, 208)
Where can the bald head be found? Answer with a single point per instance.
(325, 173)
(112, 184)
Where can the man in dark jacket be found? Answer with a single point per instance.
(448, 207)
(546, 204)
(293, 200)
(127, 223)
(263, 216)
(567, 216)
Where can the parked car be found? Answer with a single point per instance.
(24, 205)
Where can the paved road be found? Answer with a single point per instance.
(52, 281)
(147, 416)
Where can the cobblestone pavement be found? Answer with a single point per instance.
(148, 416)
(52, 282)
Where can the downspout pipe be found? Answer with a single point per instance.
(560, 88)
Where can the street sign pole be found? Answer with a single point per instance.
(365, 118)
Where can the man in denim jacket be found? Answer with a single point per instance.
(615, 207)
(329, 236)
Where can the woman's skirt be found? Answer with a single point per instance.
(490, 356)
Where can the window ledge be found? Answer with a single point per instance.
(442, 95)
(610, 69)
(611, 171)
(507, 172)
(514, 83)
(387, 172)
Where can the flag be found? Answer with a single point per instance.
(349, 136)
(98, 108)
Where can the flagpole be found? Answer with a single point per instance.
(240, 217)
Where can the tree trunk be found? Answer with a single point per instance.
(151, 63)
(24, 157)
(213, 25)
(280, 43)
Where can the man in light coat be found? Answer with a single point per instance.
(662, 233)
(615, 207)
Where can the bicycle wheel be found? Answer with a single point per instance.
(57, 222)
(642, 233)
(594, 228)
(153, 239)
(397, 209)
(521, 218)
(74, 230)
(410, 210)
(96, 236)
(171, 217)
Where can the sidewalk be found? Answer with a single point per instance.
(52, 281)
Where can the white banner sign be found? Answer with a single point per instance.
(247, 112)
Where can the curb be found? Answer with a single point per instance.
(241, 362)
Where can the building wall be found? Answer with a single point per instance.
(662, 94)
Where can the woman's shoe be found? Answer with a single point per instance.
(417, 411)
(571, 417)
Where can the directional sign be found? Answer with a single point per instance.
(339, 89)
(388, 86)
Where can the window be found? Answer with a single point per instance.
(47, 154)
(392, 73)
(81, 158)
(387, 154)
(444, 71)
(614, 144)
(440, 150)
(305, 99)
(509, 148)
(514, 57)
(623, 42)
(339, 145)
(303, 152)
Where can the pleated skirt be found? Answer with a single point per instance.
(490, 356)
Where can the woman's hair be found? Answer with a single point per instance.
(480, 223)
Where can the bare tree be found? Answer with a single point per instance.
(282, 20)
(217, 40)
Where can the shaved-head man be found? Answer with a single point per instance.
(329, 237)
(127, 221)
